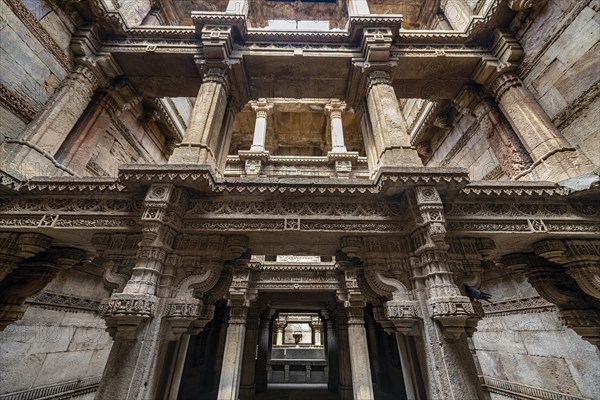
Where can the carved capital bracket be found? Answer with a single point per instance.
(580, 258)
(16, 247)
(377, 44)
(553, 283)
(32, 276)
(506, 56)
(125, 313)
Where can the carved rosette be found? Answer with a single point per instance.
(125, 312)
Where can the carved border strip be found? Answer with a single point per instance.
(526, 305)
(63, 302)
(60, 391)
(573, 111)
(29, 20)
(519, 390)
(17, 104)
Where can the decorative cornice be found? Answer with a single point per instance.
(518, 306)
(40, 33)
(520, 390)
(62, 302)
(17, 104)
(531, 189)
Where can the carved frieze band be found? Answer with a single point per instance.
(518, 306)
(577, 108)
(17, 104)
(60, 391)
(516, 390)
(63, 302)
(40, 33)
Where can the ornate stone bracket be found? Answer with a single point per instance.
(124, 313)
(580, 258)
(553, 284)
(30, 278)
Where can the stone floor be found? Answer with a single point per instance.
(290, 391)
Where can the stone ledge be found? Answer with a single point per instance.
(60, 391)
(520, 390)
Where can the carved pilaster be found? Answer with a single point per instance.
(164, 206)
(553, 157)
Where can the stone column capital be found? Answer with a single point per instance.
(378, 77)
(503, 83)
(261, 107)
(335, 108)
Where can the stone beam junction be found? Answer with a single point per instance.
(264, 208)
(170, 61)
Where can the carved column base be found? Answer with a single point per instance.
(125, 313)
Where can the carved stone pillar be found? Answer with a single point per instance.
(140, 322)
(33, 154)
(554, 158)
(358, 7)
(317, 327)
(240, 297)
(339, 154)
(238, 7)
(332, 351)
(134, 11)
(263, 351)
(506, 145)
(204, 134)
(390, 135)
(247, 387)
(554, 285)
(32, 276)
(446, 313)
(280, 327)
(345, 383)
(257, 153)
(362, 386)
